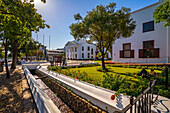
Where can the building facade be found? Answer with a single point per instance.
(80, 50)
(150, 42)
(52, 53)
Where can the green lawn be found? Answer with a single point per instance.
(126, 72)
(132, 84)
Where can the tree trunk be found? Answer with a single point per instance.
(26, 57)
(103, 64)
(6, 58)
(14, 55)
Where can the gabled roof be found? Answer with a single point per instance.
(71, 42)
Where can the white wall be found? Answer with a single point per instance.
(81, 43)
(159, 35)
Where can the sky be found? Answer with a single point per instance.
(59, 14)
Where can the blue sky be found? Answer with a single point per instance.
(59, 15)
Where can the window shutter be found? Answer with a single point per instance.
(121, 54)
(132, 54)
(156, 53)
(141, 53)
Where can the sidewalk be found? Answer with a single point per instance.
(15, 95)
(162, 105)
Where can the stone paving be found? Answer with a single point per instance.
(162, 105)
(15, 96)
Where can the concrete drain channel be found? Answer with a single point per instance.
(56, 100)
(63, 97)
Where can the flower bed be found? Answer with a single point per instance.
(119, 83)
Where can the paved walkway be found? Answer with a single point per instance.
(15, 96)
(162, 105)
(28, 101)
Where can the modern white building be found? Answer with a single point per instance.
(80, 50)
(150, 42)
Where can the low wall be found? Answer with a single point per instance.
(43, 102)
(75, 102)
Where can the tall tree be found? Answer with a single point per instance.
(104, 25)
(18, 20)
(162, 13)
(30, 48)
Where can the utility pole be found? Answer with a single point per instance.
(43, 38)
(49, 42)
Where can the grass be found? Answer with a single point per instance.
(120, 79)
(126, 72)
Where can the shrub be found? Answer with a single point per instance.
(101, 70)
(112, 82)
(138, 67)
(54, 68)
(165, 93)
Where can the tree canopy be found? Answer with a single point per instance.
(18, 20)
(104, 25)
(162, 13)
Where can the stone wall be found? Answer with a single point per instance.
(75, 102)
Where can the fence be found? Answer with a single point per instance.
(43, 102)
(142, 104)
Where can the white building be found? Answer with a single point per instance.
(150, 42)
(80, 50)
(51, 53)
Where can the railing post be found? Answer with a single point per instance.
(166, 79)
(131, 102)
(149, 103)
(150, 83)
(142, 107)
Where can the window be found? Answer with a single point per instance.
(149, 26)
(148, 49)
(75, 56)
(88, 48)
(126, 49)
(75, 49)
(127, 52)
(83, 48)
(82, 55)
(88, 55)
(92, 51)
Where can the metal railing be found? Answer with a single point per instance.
(142, 104)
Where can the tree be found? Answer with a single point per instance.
(1, 51)
(162, 13)
(32, 48)
(18, 20)
(104, 25)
